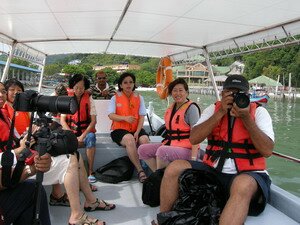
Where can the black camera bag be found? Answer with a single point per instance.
(116, 171)
(151, 188)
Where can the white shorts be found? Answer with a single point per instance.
(57, 172)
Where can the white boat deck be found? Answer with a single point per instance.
(131, 210)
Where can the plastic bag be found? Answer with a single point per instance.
(200, 201)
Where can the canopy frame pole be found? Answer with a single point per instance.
(8, 61)
(42, 75)
(211, 73)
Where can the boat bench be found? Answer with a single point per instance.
(107, 150)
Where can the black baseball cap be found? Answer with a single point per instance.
(236, 81)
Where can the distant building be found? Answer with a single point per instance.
(74, 62)
(236, 68)
(198, 73)
(119, 68)
(193, 74)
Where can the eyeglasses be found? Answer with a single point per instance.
(101, 78)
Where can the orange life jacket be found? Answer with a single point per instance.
(177, 130)
(82, 118)
(4, 130)
(127, 106)
(240, 148)
(22, 120)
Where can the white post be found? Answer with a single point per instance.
(42, 75)
(290, 84)
(211, 73)
(276, 88)
(6, 68)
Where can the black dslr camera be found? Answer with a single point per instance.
(31, 101)
(55, 142)
(241, 99)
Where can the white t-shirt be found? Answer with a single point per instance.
(263, 121)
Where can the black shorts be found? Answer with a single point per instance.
(117, 135)
(258, 203)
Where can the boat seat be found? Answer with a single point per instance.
(107, 150)
(270, 216)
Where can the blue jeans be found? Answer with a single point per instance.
(90, 140)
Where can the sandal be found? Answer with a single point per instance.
(62, 201)
(96, 206)
(93, 188)
(142, 176)
(85, 220)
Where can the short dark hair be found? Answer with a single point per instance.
(13, 82)
(79, 77)
(100, 72)
(175, 82)
(122, 77)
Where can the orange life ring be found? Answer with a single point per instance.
(164, 77)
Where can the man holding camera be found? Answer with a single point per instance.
(239, 139)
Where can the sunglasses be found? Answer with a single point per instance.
(101, 78)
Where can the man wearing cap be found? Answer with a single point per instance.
(239, 140)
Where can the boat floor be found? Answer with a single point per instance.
(130, 209)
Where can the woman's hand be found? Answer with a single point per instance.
(130, 119)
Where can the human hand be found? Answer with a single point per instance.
(226, 101)
(130, 119)
(136, 136)
(43, 163)
(240, 112)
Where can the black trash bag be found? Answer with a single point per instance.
(116, 171)
(151, 188)
(201, 200)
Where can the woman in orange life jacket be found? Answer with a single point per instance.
(180, 117)
(127, 111)
(83, 122)
(22, 121)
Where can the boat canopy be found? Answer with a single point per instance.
(153, 28)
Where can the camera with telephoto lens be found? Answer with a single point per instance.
(55, 142)
(31, 101)
(241, 99)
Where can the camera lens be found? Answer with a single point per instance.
(242, 100)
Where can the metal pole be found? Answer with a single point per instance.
(211, 73)
(6, 68)
(42, 75)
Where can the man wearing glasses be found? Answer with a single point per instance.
(102, 90)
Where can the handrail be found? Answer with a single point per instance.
(286, 157)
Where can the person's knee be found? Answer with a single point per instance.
(175, 168)
(144, 139)
(128, 140)
(244, 186)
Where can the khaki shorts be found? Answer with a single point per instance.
(57, 172)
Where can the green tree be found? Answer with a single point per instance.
(52, 69)
(272, 71)
(73, 69)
